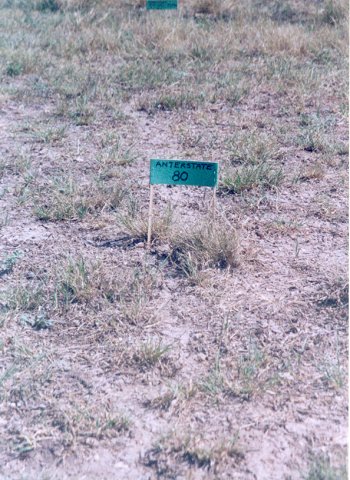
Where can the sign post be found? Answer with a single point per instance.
(150, 216)
(161, 4)
(181, 172)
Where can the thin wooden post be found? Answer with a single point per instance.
(150, 216)
(214, 203)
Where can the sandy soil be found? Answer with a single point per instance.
(282, 298)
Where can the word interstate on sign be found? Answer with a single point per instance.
(161, 4)
(180, 172)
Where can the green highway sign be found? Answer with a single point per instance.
(184, 172)
(161, 4)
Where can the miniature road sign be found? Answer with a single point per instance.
(184, 172)
(161, 4)
(181, 172)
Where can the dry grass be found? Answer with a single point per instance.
(205, 246)
(65, 199)
(221, 352)
(150, 354)
(263, 176)
(136, 224)
(191, 450)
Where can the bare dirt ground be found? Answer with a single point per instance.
(122, 363)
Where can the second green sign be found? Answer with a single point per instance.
(161, 4)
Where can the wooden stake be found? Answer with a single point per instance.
(150, 217)
(214, 203)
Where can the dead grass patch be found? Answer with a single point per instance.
(84, 424)
(136, 224)
(136, 290)
(175, 451)
(243, 377)
(314, 172)
(65, 199)
(205, 246)
(71, 280)
(335, 295)
(167, 102)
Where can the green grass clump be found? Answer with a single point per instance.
(48, 6)
(318, 141)
(333, 12)
(321, 469)
(38, 321)
(264, 176)
(8, 263)
(316, 135)
(252, 148)
(74, 282)
(150, 354)
(25, 297)
(65, 199)
(14, 69)
(134, 294)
